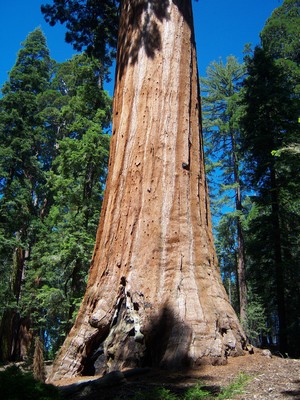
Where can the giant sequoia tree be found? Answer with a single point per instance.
(154, 294)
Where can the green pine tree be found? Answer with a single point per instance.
(221, 90)
(23, 176)
(54, 154)
(270, 122)
(91, 25)
(280, 38)
(80, 115)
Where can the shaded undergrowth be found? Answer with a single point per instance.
(18, 385)
(197, 392)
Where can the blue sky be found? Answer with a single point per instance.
(222, 28)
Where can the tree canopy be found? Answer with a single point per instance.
(54, 147)
(92, 25)
(266, 119)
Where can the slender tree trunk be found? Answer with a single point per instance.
(154, 295)
(38, 360)
(241, 265)
(18, 272)
(8, 334)
(15, 332)
(279, 278)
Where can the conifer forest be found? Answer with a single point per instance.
(197, 253)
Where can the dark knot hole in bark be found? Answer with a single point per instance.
(186, 166)
(123, 281)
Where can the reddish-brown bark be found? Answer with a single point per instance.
(154, 295)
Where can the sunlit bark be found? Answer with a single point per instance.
(154, 295)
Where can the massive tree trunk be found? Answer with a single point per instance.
(154, 295)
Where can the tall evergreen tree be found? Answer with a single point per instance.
(221, 90)
(22, 170)
(80, 114)
(91, 25)
(280, 38)
(270, 122)
(53, 166)
(273, 147)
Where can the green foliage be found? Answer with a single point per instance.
(18, 385)
(221, 108)
(261, 113)
(280, 35)
(91, 25)
(155, 394)
(220, 90)
(23, 174)
(235, 388)
(220, 99)
(281, 39)
(270, 123)
(270, 118)
(54, 145)
(196, 393)
(226, 247)
(61, 256)
(255, 324)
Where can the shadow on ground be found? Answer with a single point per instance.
(295, 394)
(137, 384)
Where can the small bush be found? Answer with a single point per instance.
(18, 385)
(156, 394)
(196, 393)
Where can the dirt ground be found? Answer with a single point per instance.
(271, 378)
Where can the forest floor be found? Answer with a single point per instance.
(270, 378)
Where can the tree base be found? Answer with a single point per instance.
(165, 342)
